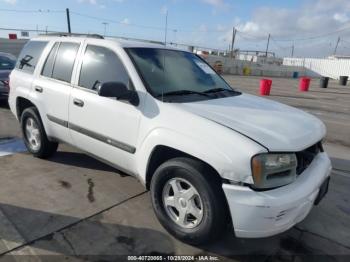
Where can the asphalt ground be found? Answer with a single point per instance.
(75, 208)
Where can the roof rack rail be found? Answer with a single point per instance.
(73, 34)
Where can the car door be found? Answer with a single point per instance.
(53, 86)
(104, 127)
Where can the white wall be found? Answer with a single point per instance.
(323, 67)
(235, 67)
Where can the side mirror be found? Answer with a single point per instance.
(119, 91)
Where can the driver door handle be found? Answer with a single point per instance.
(78, 102)
(38, 89)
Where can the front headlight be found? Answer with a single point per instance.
(273, 170)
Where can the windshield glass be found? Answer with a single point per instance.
(170, 71)
(6, 63)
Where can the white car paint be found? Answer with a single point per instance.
(225, 133)
(257, 117)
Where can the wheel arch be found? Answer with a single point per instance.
(161, 153)
(22, 104)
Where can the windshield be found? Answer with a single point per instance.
(6, 63)
(174, 72)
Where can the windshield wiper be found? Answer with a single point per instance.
(182, 93)
(220, 89)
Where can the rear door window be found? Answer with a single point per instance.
(65, 58)
(30, 55)
(50, 61)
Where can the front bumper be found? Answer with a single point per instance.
(261, 214)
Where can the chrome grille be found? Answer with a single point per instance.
(306, 156)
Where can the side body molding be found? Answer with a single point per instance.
(94, 135)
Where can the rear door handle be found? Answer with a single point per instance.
(78, 102)
(39, 89)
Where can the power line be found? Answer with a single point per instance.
(117, 22)
(29, 30)
(111, 20)
(315, 37)
(31, 11)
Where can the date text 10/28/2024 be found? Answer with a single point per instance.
(173, 258)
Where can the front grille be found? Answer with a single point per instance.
(306, 156)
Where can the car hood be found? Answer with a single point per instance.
(276, 126)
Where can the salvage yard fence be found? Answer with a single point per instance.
(333, 68)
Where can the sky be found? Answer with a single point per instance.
(311, 26)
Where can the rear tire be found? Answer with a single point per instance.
(34, 134)
(204, 207)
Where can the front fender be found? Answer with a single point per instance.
(225, 164)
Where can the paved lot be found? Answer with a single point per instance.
(75, 206)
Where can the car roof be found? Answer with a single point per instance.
(123, 43)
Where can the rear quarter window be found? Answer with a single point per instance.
(30, 55)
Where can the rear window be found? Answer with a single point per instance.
(30, 55)
(6, 63)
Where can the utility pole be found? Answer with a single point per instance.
(268, 43)
(68, 20)
(293, 50)
(336, 46)
(234, 31)
(166, 27)
(105, 28)
(175, 40)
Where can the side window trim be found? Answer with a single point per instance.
(78, 68)
(54, 60)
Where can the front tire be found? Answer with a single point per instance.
(188, 200)
(34, 134)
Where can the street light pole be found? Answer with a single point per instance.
(268, 43)
(166, 27)
(105, 28)
(234, 31)
(175, 40)
(336, 46)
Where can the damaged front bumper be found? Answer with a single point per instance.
(258, 214)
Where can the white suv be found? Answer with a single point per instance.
(210, 155)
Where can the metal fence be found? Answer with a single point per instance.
(333, 68)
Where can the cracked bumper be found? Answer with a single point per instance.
(262, 214)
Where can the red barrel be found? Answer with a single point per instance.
(304, 84)
(265, 87)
